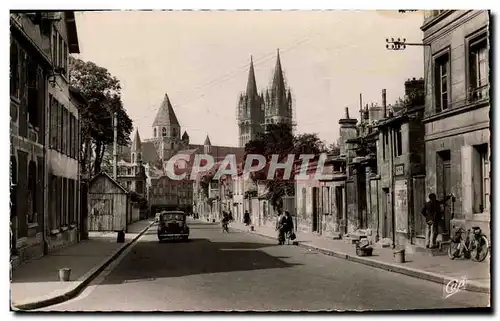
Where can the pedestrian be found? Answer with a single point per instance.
(230, 214)
(246, 218)
(433, 217)
(285, 227)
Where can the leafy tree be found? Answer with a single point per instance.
(103, 94)
(279, 140)
(334, 149)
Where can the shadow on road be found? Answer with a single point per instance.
(151, 260)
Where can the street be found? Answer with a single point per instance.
(215, 271)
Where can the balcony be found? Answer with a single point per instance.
(479, 93)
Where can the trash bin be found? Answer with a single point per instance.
(252, 228)
(399, 255)
(64, 274)
(120, 238)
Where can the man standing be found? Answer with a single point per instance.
(432, 214)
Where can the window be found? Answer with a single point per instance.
(14, 69)
(64, 124)
(32, 88)
(53, 107)
(65, 59)
(54, 46)
(398, 142)
(441, 85)
(64, 201)
(163, 132)
(60, 52)
(480, 179)
(70, 139)
(478, 67)
(32, 192)
(129, 185)
(154, 132)
(133, 158)
(59, 126)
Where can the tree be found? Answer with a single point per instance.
(279, 140)
(103, 94)
(334, 149)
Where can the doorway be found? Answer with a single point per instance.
(444, 186)
(339, 203)
(386, 212)
(315, 214)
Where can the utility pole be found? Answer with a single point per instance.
(398, 44)
(384, 102)
(115, 145)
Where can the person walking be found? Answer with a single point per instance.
(433, 217)
(246, 218)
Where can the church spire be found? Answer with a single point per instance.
(278, 85)
(136, 142)
(166, 115)
(251, 84)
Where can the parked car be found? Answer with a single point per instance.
(172, 225)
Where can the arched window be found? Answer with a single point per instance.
(154, 132)
(133, 157)
(174, 132)
(164, 132)
(31, 192)
(139, 157)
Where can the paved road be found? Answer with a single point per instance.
(241, 271)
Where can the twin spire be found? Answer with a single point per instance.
(278, 84)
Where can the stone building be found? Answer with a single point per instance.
(43, 151)
(272, 106)
(132, 175)
(399, 196)
(457, 109)
(154, 153)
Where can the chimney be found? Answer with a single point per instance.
(384, 102)
(347, 113)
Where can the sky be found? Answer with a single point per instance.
(201, 60)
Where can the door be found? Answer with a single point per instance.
(418, 204)
(315, 216)
(444, 187)
(339, 203)
(386, 211)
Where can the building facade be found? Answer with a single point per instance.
(457, 109)
(40, 151)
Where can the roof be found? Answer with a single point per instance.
(251, 84)
(207, 141)
(77, 95)
(111, 179)
(166, 115)
(72, 33)
(136, 142)
(278, 79)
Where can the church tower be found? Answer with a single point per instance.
(166, 130)
(207, 145)
(250, 110)
(136, 150)
(278, 99)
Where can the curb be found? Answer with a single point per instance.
(470, 286)
(73, 291)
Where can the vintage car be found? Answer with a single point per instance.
(172, 226)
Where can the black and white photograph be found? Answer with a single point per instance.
(223, 160)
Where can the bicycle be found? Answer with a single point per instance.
(475, 248)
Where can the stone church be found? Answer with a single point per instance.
(272, 106)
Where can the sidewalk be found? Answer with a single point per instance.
(36, 284)
(439, 269)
